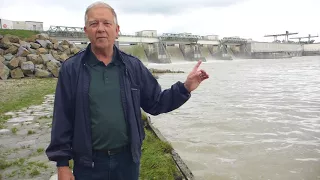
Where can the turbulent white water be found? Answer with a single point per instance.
(253, 119)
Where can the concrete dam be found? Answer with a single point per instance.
(169, 47)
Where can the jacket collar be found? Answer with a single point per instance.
(86, 53)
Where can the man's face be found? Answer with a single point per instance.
(101, 28)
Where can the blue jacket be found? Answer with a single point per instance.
(71, 126)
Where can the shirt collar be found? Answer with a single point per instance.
(93, 60)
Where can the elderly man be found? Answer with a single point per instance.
(97, 117)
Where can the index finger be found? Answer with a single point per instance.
(197, 66)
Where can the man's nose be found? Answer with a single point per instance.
(101, 27)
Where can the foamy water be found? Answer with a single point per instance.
(253, 119)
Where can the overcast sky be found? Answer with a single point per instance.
(244, 18)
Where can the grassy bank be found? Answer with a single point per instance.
(20, 33)
(16, 94)
(156, 162)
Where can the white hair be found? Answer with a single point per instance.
(100, 4)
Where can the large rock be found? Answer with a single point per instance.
(11, 50)
(42, 51)
(74, 50)
(65, 42)
(12, 38)
(53, 68)
(52, 59)
(5, 42)
(42, 36)
(42, 73)
(36, 59)
(22, 51)
(17, 73)
(14, 63)
(2, 59)
(27, 68)
(8, 57)
(4, 71)
(21, 60)
(63, 57)
(43, 43)
(35, 45)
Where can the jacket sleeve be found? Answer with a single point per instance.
(59, 149)
(155, 101)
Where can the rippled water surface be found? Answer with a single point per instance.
(253, 119)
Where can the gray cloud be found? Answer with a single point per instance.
(167, 7)
(164, 7)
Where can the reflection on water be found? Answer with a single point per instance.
(253, 119)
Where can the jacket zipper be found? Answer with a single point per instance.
(86, 91)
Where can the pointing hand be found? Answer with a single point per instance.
(195, 77)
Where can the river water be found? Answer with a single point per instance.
(252, 119)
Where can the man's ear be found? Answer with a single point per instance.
(118, 31)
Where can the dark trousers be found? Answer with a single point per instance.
(115, 167)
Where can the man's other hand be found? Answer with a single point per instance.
(64, 173)
(195, 77)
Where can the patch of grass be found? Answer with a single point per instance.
(40, 150)
(14, 130)
(20, 93)
(19, 33)
(31, 132)
(156, 161)
(23, 167)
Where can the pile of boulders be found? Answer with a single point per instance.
(37, 56)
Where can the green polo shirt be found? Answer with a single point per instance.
(109, 128)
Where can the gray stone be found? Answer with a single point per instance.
(42, 73)
(43, 43)
(39, 66)
(4, 131)
(4, 71)
(26, 143)
(35, 45)
(63, 57)
(2, 59)
(17, 73)
(20, 119)
(12, 50)
(21, 60)
(14, 63)
(53, 68)
(49, 44)
(25, 44)
(36, 59)
(8, 57)
(43, 36)
(42, 51)
(27, 67)
(23, 52)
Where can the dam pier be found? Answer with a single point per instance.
(148, 46)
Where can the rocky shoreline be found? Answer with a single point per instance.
(37, 56)
(23, 143)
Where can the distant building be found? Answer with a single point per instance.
(149, 33)
(34, 26)
(6, 24)
(211, 37)
(23, 25)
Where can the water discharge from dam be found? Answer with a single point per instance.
(253, 119)
(175, 54)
